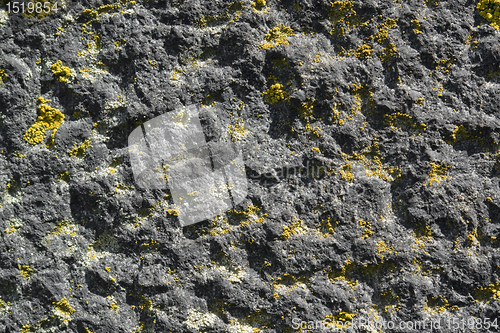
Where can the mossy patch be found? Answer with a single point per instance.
(50, 119)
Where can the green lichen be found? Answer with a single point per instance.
(490, 10)
(50, 119)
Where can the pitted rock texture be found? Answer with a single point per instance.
(370, 134)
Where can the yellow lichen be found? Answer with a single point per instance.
(258, 4)
(80, 151)
(364, 52)
(232, 13)
(237, 129)
(50, 119)
(339, 321)
(422, 237)
(490, 10)
(28, 328)
(403, 121)
(389, 52)
(436, 305)
(383, 32)
(294, 228)
(438, 173)
(114, 306)
(486, 294)
(327, 227)
(3, 76)
(11, 230)
(306, 109)
(383, 248)
(173, 211)
(275, 93)
(366, 227)
(252, 214)
(460, 133)
(60, 72)
(372, 160)
(343, 17)
(340, 275)
(64, 307)
(346, 172)
(25, 271)
(416, 26)
(277, 36)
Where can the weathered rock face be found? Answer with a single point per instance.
(370, 135)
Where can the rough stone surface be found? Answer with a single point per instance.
(393, 105)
